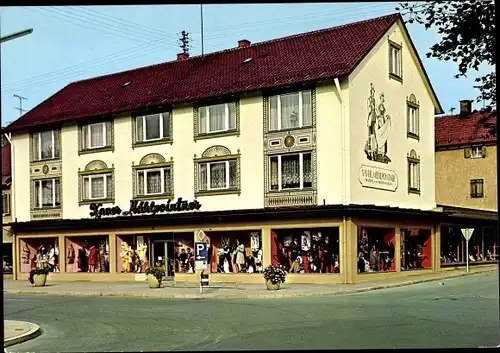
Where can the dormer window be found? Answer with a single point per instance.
(45, 145)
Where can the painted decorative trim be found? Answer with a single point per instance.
(234, 132)
(215, 154)
(31, 149)
(45, 212)
(290, 198)
(164, 141)
(413, 158)
(110, 148)
(411, 102)
(153, 161)
(96, 167)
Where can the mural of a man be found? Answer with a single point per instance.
(379, 124)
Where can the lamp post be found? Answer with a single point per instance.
(16, 35)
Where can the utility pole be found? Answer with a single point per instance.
(184, 42)
(201, 17)
(20, 108)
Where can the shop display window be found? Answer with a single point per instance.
(132, 253)
(184, 253)
(39, 252)
(416, 250)
(7, 258)
(482, 245)
(306, 250)
(87, 254)
(235, 252)
(376, 249)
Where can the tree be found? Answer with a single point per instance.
(467, 30)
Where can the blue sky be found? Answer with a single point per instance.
(73, 43)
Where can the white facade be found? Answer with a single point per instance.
(338, 139)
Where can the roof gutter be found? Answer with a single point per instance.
(342, 141)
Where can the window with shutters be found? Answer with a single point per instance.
(395, 61)
(152, 129)
(216, 120)
(475, 152)
(412, 117)
(96, 137)
(413, 173)
(45, 145)
(476, 188)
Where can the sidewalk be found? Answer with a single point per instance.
(19, 331)
(225, 291)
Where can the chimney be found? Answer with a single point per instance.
(243, 43)
(182, 56)
(465, 107)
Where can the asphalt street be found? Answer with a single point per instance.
(461, 312)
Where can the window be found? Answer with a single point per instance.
(476, 188)
(412, 116)
(154, 181)
(291, 171)
(218, 175)
(217, 118)
(376, 249)
(476, 152)
(395, 60)
(5, 204)
(46, 145)
(96, 135)
(289, 111)
(413, 172)
(47, 193)
(153, 127)
(97, 187)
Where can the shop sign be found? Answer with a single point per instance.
(378, 178)
(144, 207)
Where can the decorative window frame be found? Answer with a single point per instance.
(32, 150)
(412, 103)
(413, 158)
(217, 153)
(33, 180)
(274, 92)
(398, 47)
(168, 140)
(152, 161)
(109, 148)
(475, 182)
(6, 201)
(96, 167)
(234, 132)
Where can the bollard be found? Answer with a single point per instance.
(204, 280)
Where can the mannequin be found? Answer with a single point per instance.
(26, 255)
(124, 254)
(93, 258)
(141, 252)
(71, 258)
(258, 261)
(240, 255)
(52, 258)
(326, 256)
(221, 253)
(102, 257)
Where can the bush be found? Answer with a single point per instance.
(41, 271)
(156, 271)
(275, 274)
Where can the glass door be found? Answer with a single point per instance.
(163, 254)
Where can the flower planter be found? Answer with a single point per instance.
(153, 282)
(40, 280)
(271, 286)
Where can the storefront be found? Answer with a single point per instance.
(324, 244)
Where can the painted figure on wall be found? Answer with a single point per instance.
(379, 127)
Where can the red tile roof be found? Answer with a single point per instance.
(456, 130)
(322, 54)
(6, 165)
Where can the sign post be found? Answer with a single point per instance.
(467, 232)
(201, 258)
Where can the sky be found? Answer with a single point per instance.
(72, 43)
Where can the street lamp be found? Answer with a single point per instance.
(16, 35)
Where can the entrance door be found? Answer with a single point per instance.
(162, 252)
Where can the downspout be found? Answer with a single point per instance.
(342, 140)
(12, 205)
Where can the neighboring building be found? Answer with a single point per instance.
(298, 149)
(466, 180)
(7, 238)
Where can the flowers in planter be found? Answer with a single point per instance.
(41, 271)
(156, 271)
(275, 274)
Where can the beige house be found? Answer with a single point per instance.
(7, 234)
(308, 151)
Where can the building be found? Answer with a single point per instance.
(7, 238)
(466, 181)
(314, 151)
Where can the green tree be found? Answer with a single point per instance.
(467, 30)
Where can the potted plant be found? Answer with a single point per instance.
(274, 276)
(40, 276)
(155, 276)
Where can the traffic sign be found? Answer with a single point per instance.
(201, 251)
(467, 233)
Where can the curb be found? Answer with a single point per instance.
(34, 332)
(248, 296)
